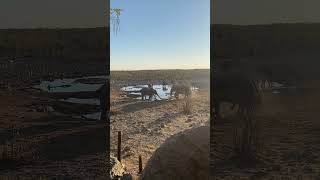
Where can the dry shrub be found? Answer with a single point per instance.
(114, 95)
(11, 152)
(187, 106)
(115, 110)
(247, 142)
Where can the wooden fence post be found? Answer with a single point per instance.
(119, 146)
(140, 164)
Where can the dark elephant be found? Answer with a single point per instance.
(180, 89)
(146, 91)
(236, 90)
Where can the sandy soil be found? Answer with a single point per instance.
(290, 140)
(146, 125)
(45, 145)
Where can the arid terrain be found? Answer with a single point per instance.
(289, 126)
(35, 141)
(289, 137)
(145, 125)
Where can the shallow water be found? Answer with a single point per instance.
(276, 85)
(95, 116)
(90, 101)
(164, 94)
(69, 85)
(278, 88)
(92, 116)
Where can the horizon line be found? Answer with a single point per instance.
(161, 69)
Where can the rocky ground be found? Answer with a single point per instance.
(146, 125)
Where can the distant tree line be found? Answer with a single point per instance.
(73, 43)
(148, 75)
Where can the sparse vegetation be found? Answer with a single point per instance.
(246, 141)
(151, 75)
(114, 110)
(187, 105)
(11, 152)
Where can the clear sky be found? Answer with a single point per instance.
(161, 34)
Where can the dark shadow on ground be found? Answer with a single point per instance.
(39, 129)
(139, 105)
(66, 147)
(165, 119)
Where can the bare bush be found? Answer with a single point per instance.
(187, 106)
(115, 110)
(247, 142)
(11, 150)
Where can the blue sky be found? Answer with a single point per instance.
(161, 34)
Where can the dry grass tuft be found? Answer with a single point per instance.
(114, 110)
(247, 142)
(114, 95)
(11, 152)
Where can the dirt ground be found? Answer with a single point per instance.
(289, 135)
(146, 125)
(45, 145)
(34, 142)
